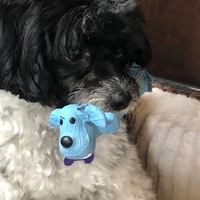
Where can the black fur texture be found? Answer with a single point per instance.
(46, 46)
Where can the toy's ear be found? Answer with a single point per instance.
(111, 117)
(54, 118)
(113, 122)
(95, 114)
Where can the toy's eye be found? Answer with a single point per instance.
(72, 120)
(61, 121)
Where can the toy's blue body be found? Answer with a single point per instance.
(83, 124)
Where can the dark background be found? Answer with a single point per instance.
(174, 32)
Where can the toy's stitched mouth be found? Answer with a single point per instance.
(87, 156)
(87, 160)
(82, 157)
(77, 154)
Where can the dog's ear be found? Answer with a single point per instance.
(142, 53)
(135, 38)
(95, 115)
(22, 50)
(122, 30)
(54, 118)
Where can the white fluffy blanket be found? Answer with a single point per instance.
(168, 128)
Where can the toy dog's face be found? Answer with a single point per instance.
(79, 128)
(76, 139)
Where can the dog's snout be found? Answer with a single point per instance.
(66, 141)
(120, 101)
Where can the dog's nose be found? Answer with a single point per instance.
(120, 100)
(66, 141)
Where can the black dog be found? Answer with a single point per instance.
(46, 46)
(54, 52)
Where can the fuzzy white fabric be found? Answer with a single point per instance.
(168, 128)
(32, 168)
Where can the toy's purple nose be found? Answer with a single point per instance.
(66, 141)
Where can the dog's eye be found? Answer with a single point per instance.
(61, 122)
(111, 1)
(119, 53)
(127, 117)
(72, 120)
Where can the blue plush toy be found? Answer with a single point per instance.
(80, 125)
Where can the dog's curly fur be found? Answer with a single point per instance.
(54, 52)
(47, 46)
